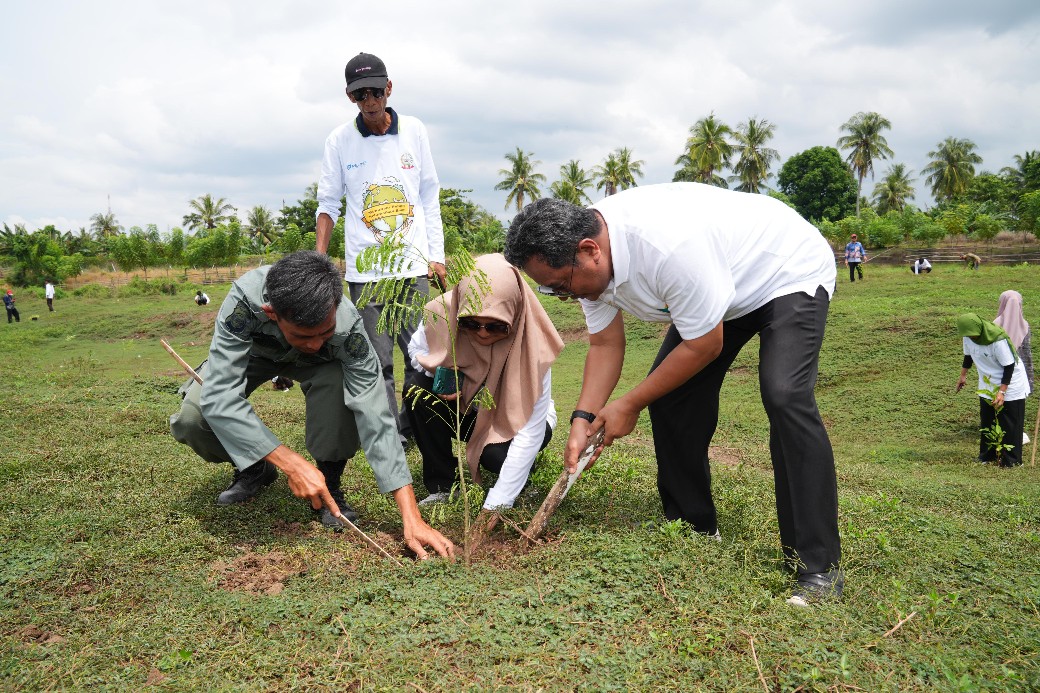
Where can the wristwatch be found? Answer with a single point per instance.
(580, 414)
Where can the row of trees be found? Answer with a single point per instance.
(821, 183)
(214, 236)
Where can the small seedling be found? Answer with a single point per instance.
(994, 434)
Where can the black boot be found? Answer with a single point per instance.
(248, 482)
(333, 473)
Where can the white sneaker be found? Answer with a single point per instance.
(435, 498)
(1025, 438)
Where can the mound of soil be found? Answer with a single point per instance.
(258, 573)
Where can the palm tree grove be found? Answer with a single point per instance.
(828, 185)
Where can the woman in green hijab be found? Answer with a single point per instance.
(1000, 373)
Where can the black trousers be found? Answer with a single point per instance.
(854, 268)
(790, 330)
(1012, 418)
(433, 426)
(13, 312)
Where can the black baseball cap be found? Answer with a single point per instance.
(365, 70)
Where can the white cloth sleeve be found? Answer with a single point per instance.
(430, 196)
(330, 183)
(418, 347)
(522, 451)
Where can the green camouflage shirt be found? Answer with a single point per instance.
(243, 331)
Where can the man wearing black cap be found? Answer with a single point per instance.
(855, 255)
(381, 162)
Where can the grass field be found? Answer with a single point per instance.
(117, 570)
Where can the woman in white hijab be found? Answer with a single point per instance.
(1009, 317)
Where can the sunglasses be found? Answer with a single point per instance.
(471, 325)
(360, 95)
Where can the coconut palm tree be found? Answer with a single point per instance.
(520, 179)
(1023, 170)
(894, 190)
(754, 158)
(104, 225)
(617, 172)
(864, 143)
(261, 227)
(608, 175)
(629, 168)
(208, 213)
(707, 153)
(572, 184)
(951, 168)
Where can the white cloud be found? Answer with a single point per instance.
(157, 104)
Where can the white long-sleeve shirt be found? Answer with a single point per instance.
(391, 187)
(525, 446)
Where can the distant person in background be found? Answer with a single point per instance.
(971, 260)
(9, 305)
(989, 348)
(921, 266)
(1010, 319)
(48, 292)
(855, 255)
(201, 298)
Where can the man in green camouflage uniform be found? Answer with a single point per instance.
(291, 320)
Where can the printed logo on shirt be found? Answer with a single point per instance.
(385, 209)
(352, 166)
(356, 346)
(407, 161)
(241, 319)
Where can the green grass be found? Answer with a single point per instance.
(117, 570)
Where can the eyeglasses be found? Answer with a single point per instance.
(471, 325)
(360, 95)
(559, 291)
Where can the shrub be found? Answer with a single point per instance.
(140, 287)
(93, 291)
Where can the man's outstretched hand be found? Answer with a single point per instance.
(417, 534)
(305, 481)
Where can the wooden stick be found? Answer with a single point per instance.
(344, 521)
(758, 666)
(184, 364)
(552, 501)
(899, 625)
(1036, 432)
(525, 535)
(368, 540)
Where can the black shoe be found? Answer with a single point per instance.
(817, 587)
(328, 520)
(248, 482)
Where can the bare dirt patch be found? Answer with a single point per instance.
(576, 334)
(727, 456)
(35, 634)
(258, 573)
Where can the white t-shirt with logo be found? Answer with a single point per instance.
(391, 186)
(696, 255)
(990, 360)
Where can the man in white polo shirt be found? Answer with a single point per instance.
(721, 267)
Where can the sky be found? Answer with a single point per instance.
(143, 106)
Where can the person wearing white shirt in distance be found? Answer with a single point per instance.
(504, 340)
